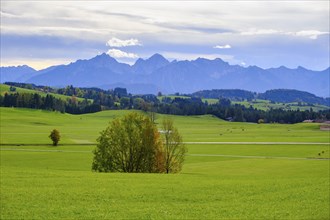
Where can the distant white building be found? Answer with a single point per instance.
(308, 121)
(163, 132)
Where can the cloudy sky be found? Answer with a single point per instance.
(263, 33)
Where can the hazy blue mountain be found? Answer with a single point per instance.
(16, 73)
(147, 66)
(158, 74)
(316, 82)
(191, 76)
(181, 77)
(97, 71)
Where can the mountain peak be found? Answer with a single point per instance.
(201, 59)
(283, 68)
(219, 60)
(103, 58)
(19, 67)
(151, 64)
(157, 57)
(301, 68)
(16, 73)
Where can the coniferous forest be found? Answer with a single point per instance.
(88, 100)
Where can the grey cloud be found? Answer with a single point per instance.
(177, 26)
(208, 30)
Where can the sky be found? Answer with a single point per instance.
(267, 34)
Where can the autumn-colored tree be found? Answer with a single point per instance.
(55, 136)
(173, 148)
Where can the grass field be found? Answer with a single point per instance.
(34, 126)
(218, 181)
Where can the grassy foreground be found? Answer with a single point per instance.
(219, 181)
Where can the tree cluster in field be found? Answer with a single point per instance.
(232, 94)
(49, 102)
(133, 144)
(243, 114)
(287, 96)
(120, 99)
(274, 96)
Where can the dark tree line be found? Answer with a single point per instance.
(243, 114)
(275, 95)
(233, 94)
(289, 95)
(120, 99)
(225, 110)
(48, 102)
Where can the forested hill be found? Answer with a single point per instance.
(286, 96)
(233, 94)
(276, 95)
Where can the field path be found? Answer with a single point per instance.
(261, 143)
(40, 150)
(256, 157)
(85, 142)
(192, 155)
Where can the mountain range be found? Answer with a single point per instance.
(157, 74)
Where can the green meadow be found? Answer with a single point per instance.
(232, 171)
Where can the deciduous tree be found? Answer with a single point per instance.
(55, 136)
(174, 150)
(129, 144)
